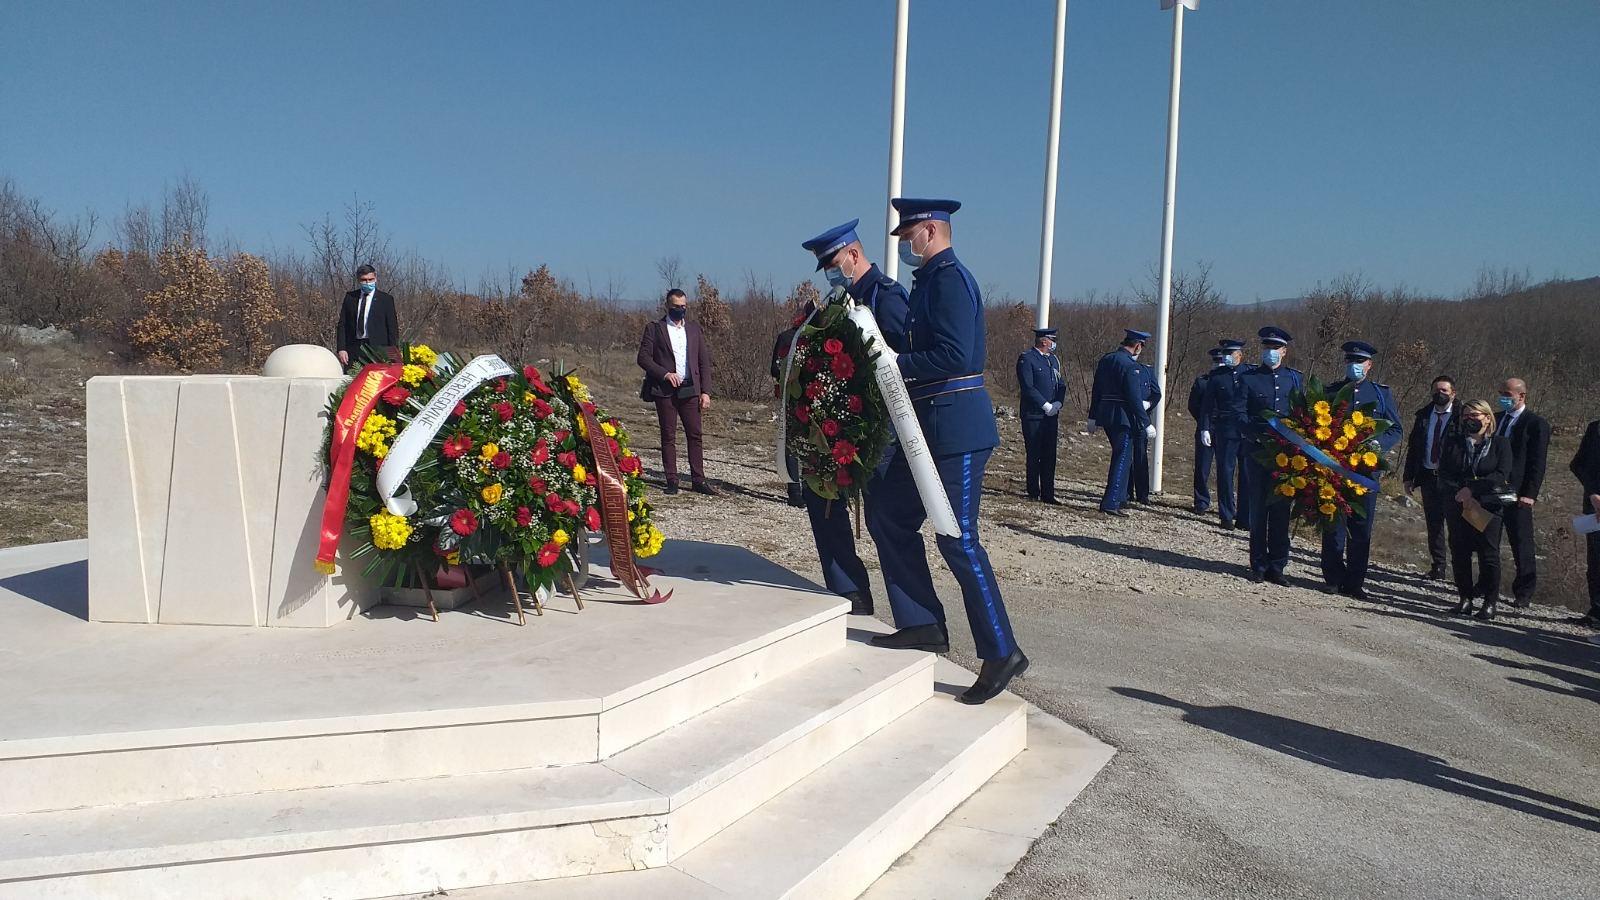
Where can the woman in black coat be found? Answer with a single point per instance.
(1476, 466)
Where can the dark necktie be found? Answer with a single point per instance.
(1505, 426)
(1438, 439)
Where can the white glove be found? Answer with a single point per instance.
(1149, 431)
(1205, 438)
(1051, 409)
(1092, 426)
(1147, 406)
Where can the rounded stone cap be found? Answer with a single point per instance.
(302, 361)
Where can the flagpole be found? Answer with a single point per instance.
(897, 130)
(1168, 211)
(1047, 234)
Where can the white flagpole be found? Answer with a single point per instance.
(1168, 210)
(897, 130)
(1047, 235)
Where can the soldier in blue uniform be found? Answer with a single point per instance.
(1116, 403)
(941, 347)
(1043, 390)
(1202, 449)
(1225, 428)
(1139, 484)
(1346, 546)
(844, 263)
(1268, 386)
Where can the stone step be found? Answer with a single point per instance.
(564, 701)
(639, 809)
(833, 834)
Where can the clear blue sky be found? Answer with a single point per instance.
(1412, 140)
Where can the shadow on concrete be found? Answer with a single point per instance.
(1356, 755)
(1584, 686)
(1526, 640)
(1148, 554)
(64, 588)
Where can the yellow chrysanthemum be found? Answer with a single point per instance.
(375, 434)
(1370, 458)
(489, 450)
(1341, 443)
(1286, 489)
(389, 531)
(413, 375)
(579, 473)
(1349, 431)
(1360, 491)
(1298, 463)
(528, 397)
(1323, 434)
(1327, 509)
(608, 429)
(1324, 420)
(1327, 492)
(423, 355)
(631, 516)
(493, 493)
(1322, 408)
(1299, 482)
(1282, 460)
(560, 537)
(583, 428)
(1358, 418)
(579, 392)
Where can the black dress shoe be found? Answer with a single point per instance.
(701, 487)
(860, 603)
(1277, 578)
(1486, 613)
(1462, 607)
(1257, 577)
(1520, 602)
(1436, 574)
(993, 678)
(672, 487)
(1049, 501)
(1227, 524)
(797, 498)
(1590, 621)
(1354, 593)
(1033, 496)
(919, 637)
(1119, 513)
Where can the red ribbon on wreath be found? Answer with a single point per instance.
(359, 399)
(614, 513)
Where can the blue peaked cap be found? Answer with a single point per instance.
(913, 210)
(1358, 350)
(826, 244)
(1229, 345)
(1272, 334)
(1130, 336)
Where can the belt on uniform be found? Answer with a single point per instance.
(923, 390)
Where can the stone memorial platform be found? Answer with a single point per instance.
(741, 740)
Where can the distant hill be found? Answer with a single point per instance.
(1282, 303)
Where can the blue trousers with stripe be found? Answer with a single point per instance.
(1233, 468)
(842, 569)
(1202, 474)
(1121, 462)
(895, 519)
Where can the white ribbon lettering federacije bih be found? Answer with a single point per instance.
(907, 428)
(408, 446)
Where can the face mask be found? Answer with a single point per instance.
(836, 278)
(678, 313)
(1473, 426)
(368, 287)
(1271, 356)
(1049, 347)
(1441, 399)
(1223, 363)
(1356, 371)
(1506, 402)
(909, 258)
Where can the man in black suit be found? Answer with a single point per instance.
(1529, 434)
(1433, 426)
(366, 319)
(1586, 466)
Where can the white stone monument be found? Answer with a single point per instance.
(206, 495)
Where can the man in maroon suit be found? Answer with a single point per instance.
(677, 377)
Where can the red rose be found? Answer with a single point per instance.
(499, 385)
(561, 436)
(814, 390)
(591, 519)
(554, 503)
(853, 403)
(568, 459)
(542, 409)
(540, 453)
(548, 554)
(813, 364)
(803, 413)
(505, 411)
(457, 447)
(571, 507)
(833, 346)
(524, 516)
(537, 485)
(532, 374)
(830, 428)
(396, 395)
(630, 465)
(842, 478)
(843, 367)
(463, 522)
(460, 410)
(502, 460)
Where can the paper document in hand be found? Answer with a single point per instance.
(1585, 524)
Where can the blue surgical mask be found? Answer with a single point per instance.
(1271, 356)
(1506, 402)
(368, 287)
(1355, 371)
(909, 258)
(836, 277)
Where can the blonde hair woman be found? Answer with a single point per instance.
(1475, 468)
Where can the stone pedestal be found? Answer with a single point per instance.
(205, 502)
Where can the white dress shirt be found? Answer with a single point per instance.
(678, 333)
